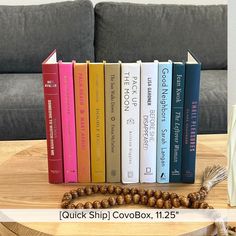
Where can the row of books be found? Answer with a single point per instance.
(129, 122)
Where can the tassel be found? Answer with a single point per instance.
(213, 175)
(221, 227)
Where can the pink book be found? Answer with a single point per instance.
(68, 121)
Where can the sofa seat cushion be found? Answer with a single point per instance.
(21, 106)
(213, 102)
(130, 32)
(30, 33)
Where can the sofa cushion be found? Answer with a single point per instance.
(30, 33)
(130, 32)
(21, 106)
(213, 102)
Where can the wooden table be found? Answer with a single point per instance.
(24, 184)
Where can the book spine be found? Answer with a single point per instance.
(53, 122)
(82, 121)
(163, 124)
(68, 122)
(130, 80)
(148, 122)
(177, 112)
(112, 101)
(97, 121)
(192, 85)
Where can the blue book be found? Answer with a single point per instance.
(192, 86)
(163, 121)
(177, 111)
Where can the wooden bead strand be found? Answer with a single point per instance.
(151, 198)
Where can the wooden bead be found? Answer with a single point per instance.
(204, 189)
(80, 192)
(71, 206)
(136, 198)
(103, 189)
(151, 201)
(118, 190)
(105, 203)
(159, 203)
(173, 196)
(67, 197)
(167, 204)
(88, 190)
(133, 191)
(198, 196)
(144, 200)
(79, 206)
(141, 192)
(203, 194)
(112, 201)
(74, 193)
(96, 204)
(126, 191)
(195, 205)
(120, 200)
(184, 201)
(67, 194)
(65, 204)
(203, 205)
(233, 229)
(175, 202)
(88, 205)
(95, 188)
(150, 192)
(128, 198)
(190, 195)
(157, 194)
(111, 189)
(193, 197)
(165, 196)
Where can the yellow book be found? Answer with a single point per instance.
(97, 121)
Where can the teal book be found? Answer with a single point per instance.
(192, 88)
(177, 110)
(164, 121)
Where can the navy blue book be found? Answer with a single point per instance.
(177, 111)
(192, 86)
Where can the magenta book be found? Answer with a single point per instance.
(68, 121)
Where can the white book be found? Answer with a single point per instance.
(148, 121)
(130, 115)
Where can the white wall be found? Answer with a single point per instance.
(231, 55)
(194, 2)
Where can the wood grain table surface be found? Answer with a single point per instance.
(24, 184)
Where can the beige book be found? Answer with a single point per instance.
(112, 111)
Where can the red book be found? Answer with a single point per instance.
(53, 118)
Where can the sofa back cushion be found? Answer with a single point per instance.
(29, 33)
(130, 32)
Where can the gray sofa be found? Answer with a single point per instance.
(108, 31)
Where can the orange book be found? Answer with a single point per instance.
(82, 121)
